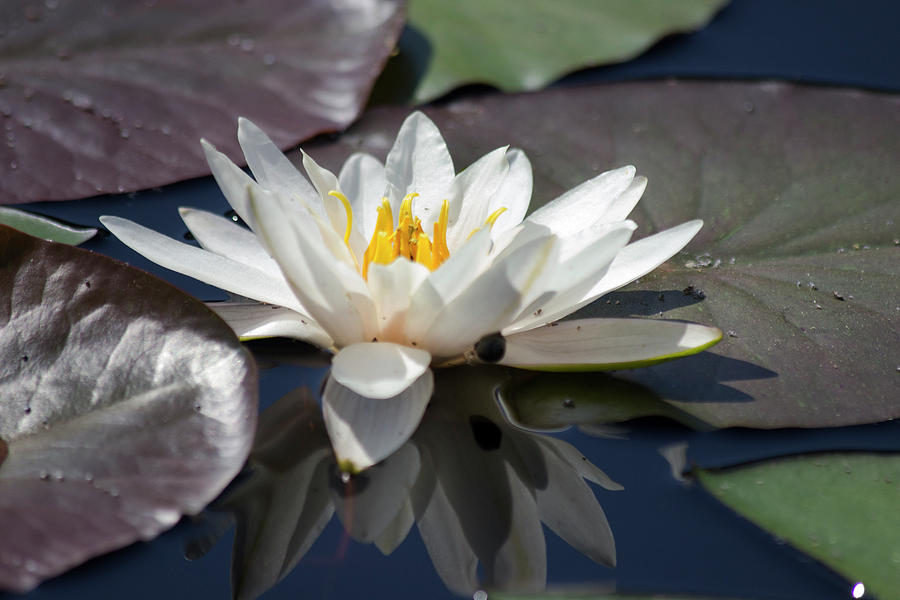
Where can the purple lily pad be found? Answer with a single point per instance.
(114, 96)
(798, 261)
(124, 404)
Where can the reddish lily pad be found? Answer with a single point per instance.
(124, 404)
(115, 96)
(798, 260)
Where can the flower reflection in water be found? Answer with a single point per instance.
(477, 488)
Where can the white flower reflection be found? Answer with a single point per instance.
(523, 479)
(399, 266)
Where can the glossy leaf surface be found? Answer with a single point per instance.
(100, 97)
(483, 41)
(840, 508)
(798, 258)
(125, 404)
(45, 227)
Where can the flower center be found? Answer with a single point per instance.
(408, 239)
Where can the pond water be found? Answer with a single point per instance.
(670, 535)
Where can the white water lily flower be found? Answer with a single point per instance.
(399, 266)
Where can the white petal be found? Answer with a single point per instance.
(253, 321)
(633, 261)
(622, 205)
(362, 178)
(514, 193)
(378, 369)
(325, 181)
(474, 188)
(232, 180)
(227, 238)
(419, 162)
(364, 430)
(585, 204)
(392, 287)
(584, 259)
(606, 344)
(489, 303)
(202, 265)
(333, 293)
(271, 167)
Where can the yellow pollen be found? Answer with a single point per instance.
(408, 239)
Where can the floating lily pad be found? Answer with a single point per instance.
(839, 508)
(45, 227)
(114, 96)
(484, 41)
(125, 404)
(798, 260)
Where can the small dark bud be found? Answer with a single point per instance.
(491, 348)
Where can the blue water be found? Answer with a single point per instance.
(671, 536)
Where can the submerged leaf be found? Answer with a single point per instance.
(125, 404)
(797, 261)
(483, 41)
(45, 227)
(839, 508)
(114, 96)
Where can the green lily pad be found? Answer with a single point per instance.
(537, 42)
(124, 403)
(114, 96)
(45, 227)
(839, 508)
(798, 261)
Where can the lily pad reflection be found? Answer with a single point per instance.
(293, 487)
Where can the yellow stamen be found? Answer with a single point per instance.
(408, 239)
(348, 210)
(439, 245)
(489, 222)
(424, 255)
(494, 216)
(381, 238)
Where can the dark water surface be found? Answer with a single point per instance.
(670, 535)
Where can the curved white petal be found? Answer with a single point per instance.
(514, 193)
(232, 180)
(364, 430)
(489, 302)
(474, 188)
(362, 178)
(271, 167)
(253, 321)
(326, 182)
(202, 265)
(624, 203)
(227, 238)
(378, 369)
(332, 292)
(419, 162)
(392, 287)
(585, 204)
(606, 344)
(633, 261)
(584, 259)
